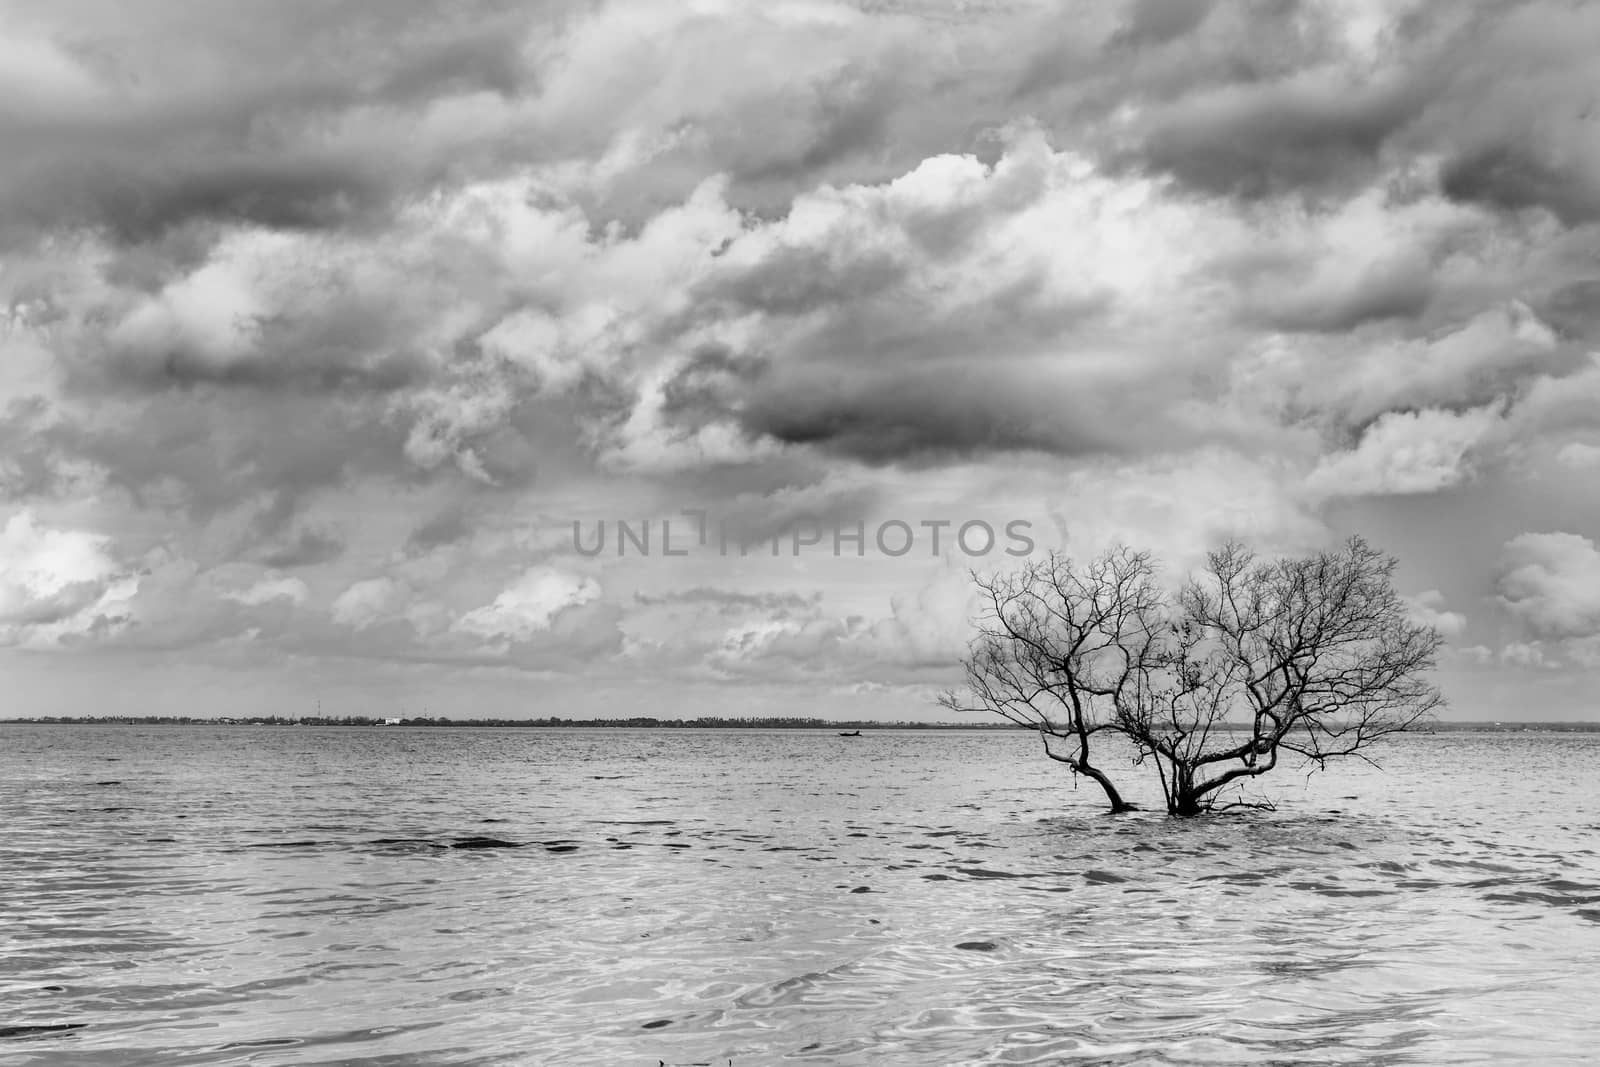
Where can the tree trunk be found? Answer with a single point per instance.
(1080, 765)
(1183, 799)
(1186, 804)
(1118, 805)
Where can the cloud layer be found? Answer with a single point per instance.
(321, 328)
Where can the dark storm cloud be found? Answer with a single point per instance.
(277, 115)
(1574, 309)
(796, 280)
(319, 364)
(305, 547)
(761, 518)
(446, 528)
(1160, 21)
(134, 202)
(1282, 299)
(923, 414)
(205, 453)
(1262, 140)
(1508, 177)
(708, 384)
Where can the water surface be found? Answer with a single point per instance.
(300, 895)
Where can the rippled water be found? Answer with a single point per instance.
(295, 895)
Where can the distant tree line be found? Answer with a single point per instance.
(704, 723)
(636, 722)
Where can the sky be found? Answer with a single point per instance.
(331, 334)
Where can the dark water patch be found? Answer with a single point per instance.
(414, 843)
(1491, 883)
(1236, 877)
(493, 820)
(937, 878)
(561, 848)
(985, 872)
(1099, 877)
(39, 1029)
(1534, 896)
(283, 844)
(607, 777)
(467, 996)
(477, 842)
(265, 1042)
(1475, 865)
(109, 782)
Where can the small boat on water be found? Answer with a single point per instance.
(853, 733)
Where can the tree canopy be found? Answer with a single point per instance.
(1213, 681)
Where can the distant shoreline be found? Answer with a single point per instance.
(678, 724)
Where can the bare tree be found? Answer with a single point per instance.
(1314, 657)
(1059, 647)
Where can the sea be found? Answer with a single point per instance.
(396, 896)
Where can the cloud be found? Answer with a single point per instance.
(1428, 609)
(271, 588)
(529, 605)
(1551, 581)
(1579, 456)
(305, 547)
(1525, 655)
(386, 300)
(53, 582)
(367, 602)
(1406, 452)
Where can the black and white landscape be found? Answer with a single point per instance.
(1209, 389)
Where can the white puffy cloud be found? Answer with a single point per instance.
(1525, 654)
(368, 601)
(53, 582)
(529, 605)
(1551, 581)
(1578, 455)
(1407, 452)
(1428, 609)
